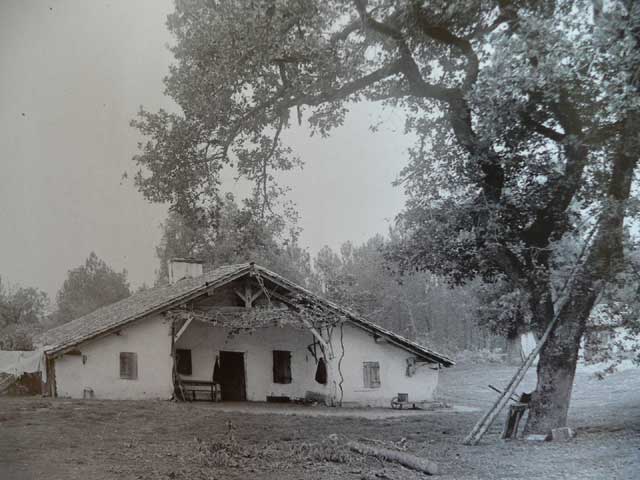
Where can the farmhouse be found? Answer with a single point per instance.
(235, 333)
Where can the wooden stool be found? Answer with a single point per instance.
(515, 415)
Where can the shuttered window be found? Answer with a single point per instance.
(371, 373)
(129, 365)
(281, 366)
(183, 361)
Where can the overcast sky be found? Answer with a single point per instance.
(72, 76)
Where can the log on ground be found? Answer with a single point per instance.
(405, 459)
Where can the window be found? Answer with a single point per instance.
(281, 366)
(183, 361)
(129, 365)
(371, 372)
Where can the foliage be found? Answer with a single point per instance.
(515, 105)
(89, 287)
(237, 236)
(22, 310)
(420, 306)
(544, 64)
(553, 133)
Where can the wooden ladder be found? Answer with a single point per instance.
(485, 422)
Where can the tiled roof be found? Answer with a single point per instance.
(136, 306)
(362, 322)
(162, 298)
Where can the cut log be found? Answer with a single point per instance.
(405, 459)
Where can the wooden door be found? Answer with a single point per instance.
(232, 376)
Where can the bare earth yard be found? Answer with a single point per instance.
(62, 439)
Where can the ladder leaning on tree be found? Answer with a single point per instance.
(485, 422)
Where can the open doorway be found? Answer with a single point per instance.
(232, 376)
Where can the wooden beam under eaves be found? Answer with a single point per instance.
(248, 296)
(182, 329)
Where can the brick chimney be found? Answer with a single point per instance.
(180, 268)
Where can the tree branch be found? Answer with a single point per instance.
(409, 67)
(543, 130)
(565, 187)
(331, 95)
(442, 35)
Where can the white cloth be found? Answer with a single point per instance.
(18, 362)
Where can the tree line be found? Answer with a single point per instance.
(363, 278)
(27, 311)
(420, 306)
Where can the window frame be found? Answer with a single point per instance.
(282, 371)
(371, 375)
(128, 365)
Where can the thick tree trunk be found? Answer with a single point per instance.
(556, 368)
(549, 404)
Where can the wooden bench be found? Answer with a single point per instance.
(195, 390)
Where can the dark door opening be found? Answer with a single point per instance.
(232, 376)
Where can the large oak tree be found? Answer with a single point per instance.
(524, 113)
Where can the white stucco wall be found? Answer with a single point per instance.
(206, 342)
(149, 338)
(360, 347)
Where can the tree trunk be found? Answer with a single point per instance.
(556, 368)
(557, 365)
(549, 404)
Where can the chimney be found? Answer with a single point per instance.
(180, 268)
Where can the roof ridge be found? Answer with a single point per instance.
(158, 298)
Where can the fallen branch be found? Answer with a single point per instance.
(405, 459)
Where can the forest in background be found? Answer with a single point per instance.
(362, 277)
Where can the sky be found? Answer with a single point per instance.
(72, 76)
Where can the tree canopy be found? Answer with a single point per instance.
(420, 306)
(89, 287)
(237, 235)
(22, 310)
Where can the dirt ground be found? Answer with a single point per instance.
(62, 439)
